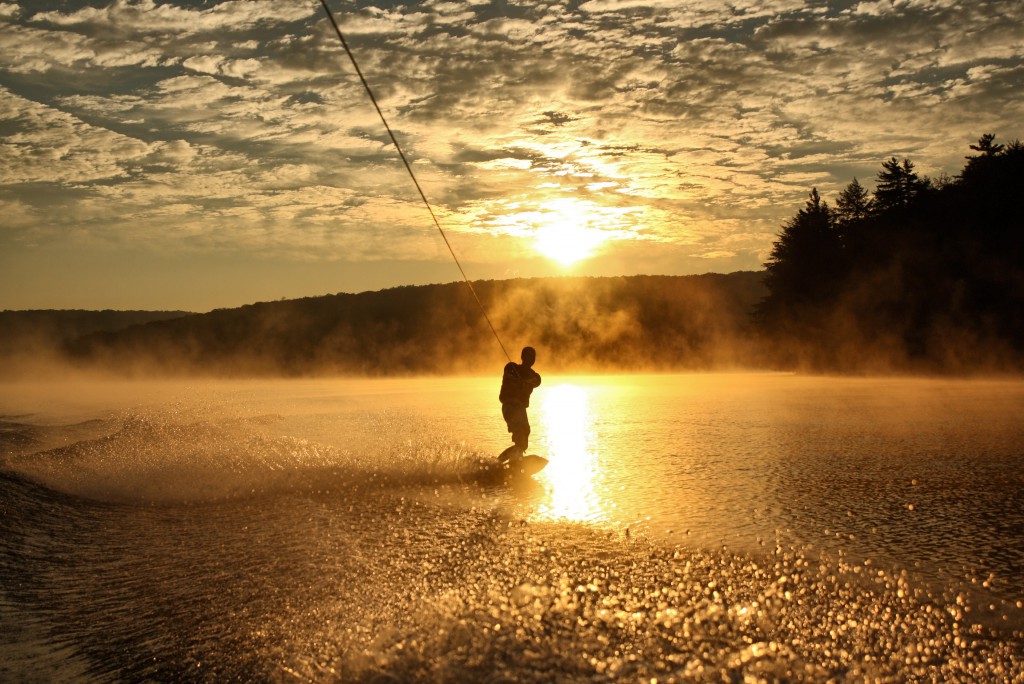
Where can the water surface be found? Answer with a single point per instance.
(356, 529)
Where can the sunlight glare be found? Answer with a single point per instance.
(573, 467)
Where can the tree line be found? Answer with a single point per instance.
(919, 274)
(33, 341)
(630, 323)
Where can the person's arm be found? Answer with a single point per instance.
(512, 372)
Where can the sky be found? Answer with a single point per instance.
(193, 155)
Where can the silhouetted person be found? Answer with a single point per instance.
(517, 384)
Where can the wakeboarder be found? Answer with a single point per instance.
(517, 384)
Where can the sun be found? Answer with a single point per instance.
(567, 243)
(563, 230)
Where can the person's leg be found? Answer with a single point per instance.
(521, 435)
(519, 426)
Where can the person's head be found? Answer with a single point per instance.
(529, 355)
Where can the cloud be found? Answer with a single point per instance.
(695, 124)
(134, 18)
(46, 145)
(24, 49)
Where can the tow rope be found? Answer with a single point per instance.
(412, 175)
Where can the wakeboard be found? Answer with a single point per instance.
(527, 465)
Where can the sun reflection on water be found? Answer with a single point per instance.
(573, 471)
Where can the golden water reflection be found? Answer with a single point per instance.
(573, 472)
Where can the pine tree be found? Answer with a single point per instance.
(898, 186)
(805, 267)
(853, 203)
(983, 162)
(986, 145)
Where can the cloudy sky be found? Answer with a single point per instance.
(194, 154)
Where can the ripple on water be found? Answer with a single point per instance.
(536, 602)
(392, 564)
(371, 585)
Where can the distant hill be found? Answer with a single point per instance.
(25, 334)
(624, 323)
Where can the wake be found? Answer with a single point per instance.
(152, 458)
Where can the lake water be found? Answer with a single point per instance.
(687, 527)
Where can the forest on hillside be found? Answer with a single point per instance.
(29, 338)
(576, 324)
(918, 275)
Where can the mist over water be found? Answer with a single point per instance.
(687, 527)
